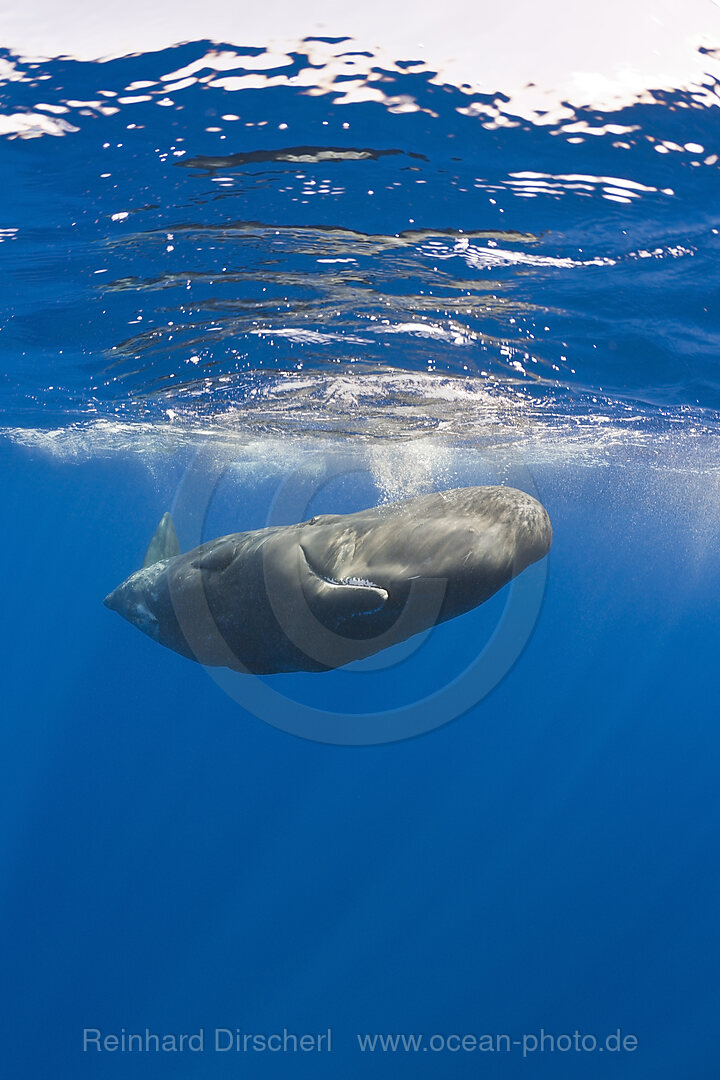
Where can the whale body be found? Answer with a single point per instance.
(339, 587)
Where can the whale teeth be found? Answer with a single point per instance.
(363, 583)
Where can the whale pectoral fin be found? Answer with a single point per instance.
(339, 600)
(217, 558)
(164, 544)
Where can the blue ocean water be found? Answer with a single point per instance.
(251, 287)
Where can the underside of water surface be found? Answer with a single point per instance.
(228, 243)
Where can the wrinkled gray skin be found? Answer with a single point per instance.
(337, 588)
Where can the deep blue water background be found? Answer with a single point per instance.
(548, 860)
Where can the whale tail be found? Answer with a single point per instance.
(164, 544)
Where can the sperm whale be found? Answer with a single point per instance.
(340, 587)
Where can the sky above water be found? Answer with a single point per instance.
(603, 55)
